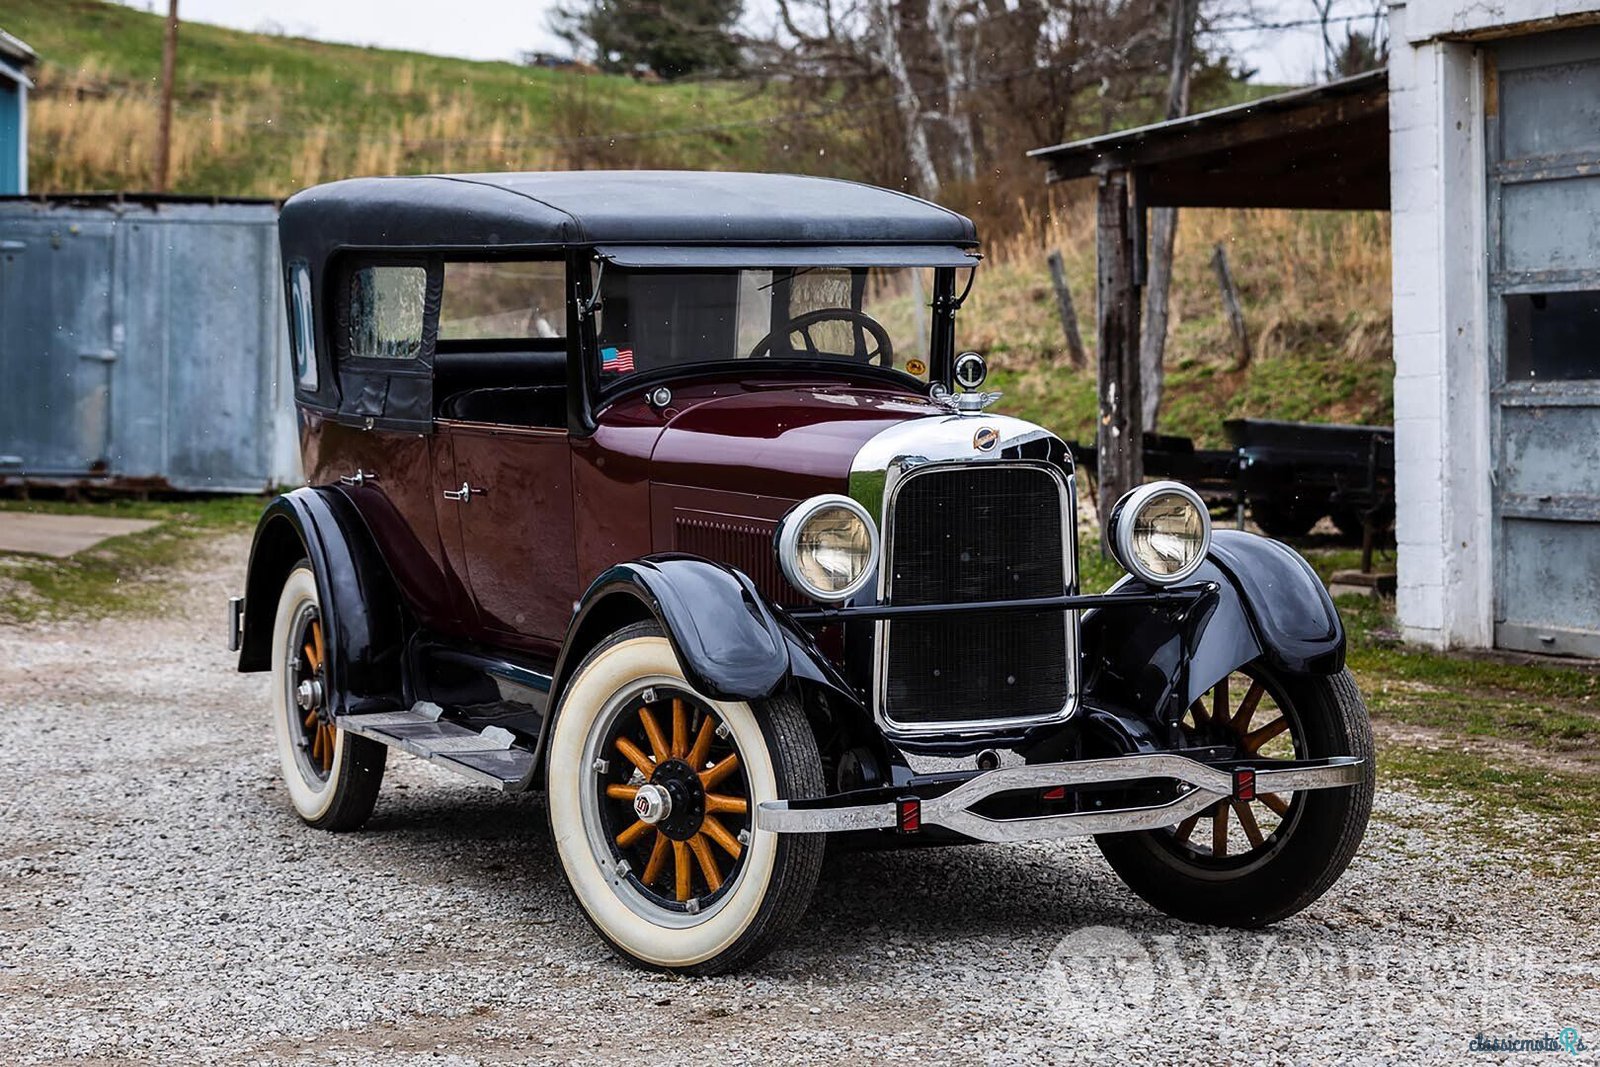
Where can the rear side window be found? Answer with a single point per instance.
(386, 312)
(302, 337)
(503, 301)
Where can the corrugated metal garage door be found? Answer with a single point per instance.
(1543, 104)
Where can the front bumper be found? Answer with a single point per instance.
(935, 803)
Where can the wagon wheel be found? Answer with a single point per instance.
(314, 734)
(680, 805)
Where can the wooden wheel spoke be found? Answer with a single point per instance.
(635, 755)
(316, 636)
(1198, 710)
(316, 744)
(1219, 703)
(327, 746)
(718, 804)
(311, 718)
(1219, 831)
(680, 864)
(710, 777)
(708, 862)
(1275, 802)
(719, 833)
(1256, 738)
(1247, 819)
(1247, 707)
(680, 728)
(633, 834)
(312, 659)
(658, 740)
(622, 792)
(1186, 828)
(702, 744)
(658, 860)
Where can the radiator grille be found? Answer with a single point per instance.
(965, 534)
(744, 543)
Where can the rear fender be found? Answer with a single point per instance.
(363, 621)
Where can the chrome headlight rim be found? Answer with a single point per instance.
(787, 545)
(1123, 520)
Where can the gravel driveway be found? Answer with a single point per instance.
(159, 901)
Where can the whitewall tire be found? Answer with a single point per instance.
(684, 881)
(332, 776)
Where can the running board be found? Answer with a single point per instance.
(1205, 785)
(490, 756)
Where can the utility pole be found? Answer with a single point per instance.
(169, 71)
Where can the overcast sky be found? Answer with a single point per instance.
(499, 29)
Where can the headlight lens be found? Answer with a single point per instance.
(1161, 532)
(827, 547)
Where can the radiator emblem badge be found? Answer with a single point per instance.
(986, 438)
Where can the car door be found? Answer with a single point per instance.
(502, 373)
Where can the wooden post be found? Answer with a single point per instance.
(1069, 314)
(1120, 440)
(169, 69)
(1231, 307)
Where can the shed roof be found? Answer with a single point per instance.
(609, 207)
(1322, 147)
(15, 58)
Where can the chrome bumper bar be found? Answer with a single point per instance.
(952, 810)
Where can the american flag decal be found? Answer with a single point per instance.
(616, 360)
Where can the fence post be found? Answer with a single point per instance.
(1069, 314)
(1230, 306)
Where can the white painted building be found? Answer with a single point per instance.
(1494, 117)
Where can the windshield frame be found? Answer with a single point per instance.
(942, 307)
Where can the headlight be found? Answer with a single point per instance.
(827, 547)
(1160, 532)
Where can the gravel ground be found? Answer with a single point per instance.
(160, 902)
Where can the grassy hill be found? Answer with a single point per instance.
(266, 115)
(258, 114)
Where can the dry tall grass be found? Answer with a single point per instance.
(1315, 290)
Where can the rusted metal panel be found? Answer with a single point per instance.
(143, 342)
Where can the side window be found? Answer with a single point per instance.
(386, 312)
(302, 338)
(503, 301)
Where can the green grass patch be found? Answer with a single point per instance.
(122, 575)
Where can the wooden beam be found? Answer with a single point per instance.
(1120, 456)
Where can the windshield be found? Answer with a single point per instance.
(871, 316)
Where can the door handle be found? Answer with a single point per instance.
(358, 479)
(464, 494)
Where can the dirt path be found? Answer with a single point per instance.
(159, 902)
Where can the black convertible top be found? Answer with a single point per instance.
(673, 208)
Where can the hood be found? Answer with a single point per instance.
(789, 441)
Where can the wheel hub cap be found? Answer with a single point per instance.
(652, 804)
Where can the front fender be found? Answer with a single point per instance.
(363, 622)
(726, 638)
(1263, 602)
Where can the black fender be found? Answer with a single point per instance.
(1261, 600)
(363, 617)
(731, 644)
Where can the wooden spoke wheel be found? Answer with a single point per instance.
(332, 776)
(308, 675)
(1241, 712)
(1251, 863)
(652, 794)
(678, 811)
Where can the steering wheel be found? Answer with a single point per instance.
(882, 352)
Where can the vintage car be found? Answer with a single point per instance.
(668, 495)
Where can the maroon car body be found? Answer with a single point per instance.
(653, 491)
